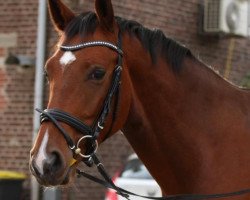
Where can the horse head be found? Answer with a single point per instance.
(84, 77)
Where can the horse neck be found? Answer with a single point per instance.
(177, 120)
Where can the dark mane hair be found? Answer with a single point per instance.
(153, 40)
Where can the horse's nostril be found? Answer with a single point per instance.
(53, 163)
(57, 161)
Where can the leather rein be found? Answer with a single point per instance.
(91, 133)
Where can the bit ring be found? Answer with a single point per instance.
(79, 149)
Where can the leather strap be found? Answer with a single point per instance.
(108, 183)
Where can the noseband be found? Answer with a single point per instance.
(90, 133)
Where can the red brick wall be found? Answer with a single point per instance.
(16, 119)
(178, 19)
(20, 16)
(3, 81)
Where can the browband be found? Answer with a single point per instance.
(91, 44)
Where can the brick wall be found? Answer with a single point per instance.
(20, 16)
(18, 36)
(178, 19)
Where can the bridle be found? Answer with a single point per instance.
(91, 133)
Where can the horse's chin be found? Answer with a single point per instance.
(69, 178)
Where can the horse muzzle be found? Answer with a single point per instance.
(51, 170)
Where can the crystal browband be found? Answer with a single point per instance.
(91, 44)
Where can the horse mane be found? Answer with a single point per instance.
(153, 41)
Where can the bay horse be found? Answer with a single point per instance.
(189, 126)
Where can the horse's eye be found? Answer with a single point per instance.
(97, 74)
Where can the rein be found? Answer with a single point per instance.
(91, 133)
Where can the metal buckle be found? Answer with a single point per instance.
(72, 147)
(78, 149)
(119, 67)
(101, 127)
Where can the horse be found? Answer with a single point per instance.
(188, 125)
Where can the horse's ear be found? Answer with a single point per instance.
(105, 14)
(60, 14)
